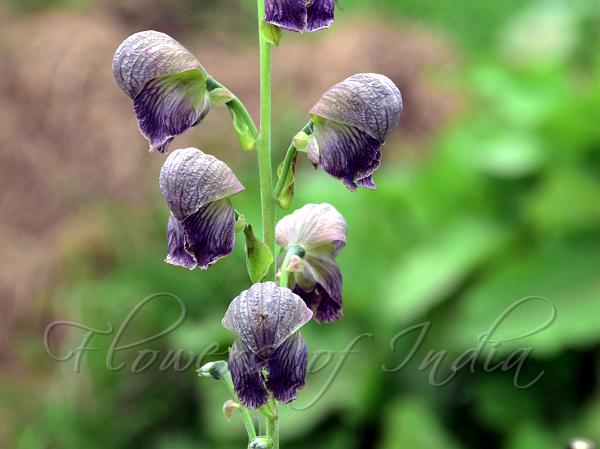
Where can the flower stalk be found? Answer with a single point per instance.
(288, 162)
(244, 412)
(265, 168)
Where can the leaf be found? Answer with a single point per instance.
(245, 135)
(562, 275)
(271, 33)
(258, 256)
(411, 423)
(427, 275)
(285, 199)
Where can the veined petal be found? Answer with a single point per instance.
(287, 368)
(320, 286)
(265, 315)
(177, 255)
(344, 152)
(147, 55)
(190, 179)
(288, 14)
(169, 106)
(210, 233)
(312, 226)
(246, 375)
(368, 102)
(320, 14)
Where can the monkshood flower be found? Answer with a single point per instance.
(316, 233)
(266, 318)
(300, 15)
(351, 122)
(167, 85)
(201, 228)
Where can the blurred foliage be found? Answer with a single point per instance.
(503, 206)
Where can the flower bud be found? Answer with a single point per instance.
(320, 231)
(166, 83)
(300, 15)
(230, 407)
(213, 370)
(351, 122)
(201, 228)
(262, 442)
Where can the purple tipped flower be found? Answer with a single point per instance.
(201, 228)
(351, 122)
(300, 15)
(166, 83)
(266, 318)
(319, 230)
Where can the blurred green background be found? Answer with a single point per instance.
(489, 193)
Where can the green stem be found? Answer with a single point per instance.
(265, 168)
(246, 418)
(284, 276)
(287, 163)
(273, 424)
(236, 107)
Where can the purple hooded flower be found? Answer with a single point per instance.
(167, 85)
(201, 228)
(351, 122)
(266, 318)
(300, 15)
(319, 232)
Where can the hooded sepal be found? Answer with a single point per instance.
(265, 315)
(190, 179)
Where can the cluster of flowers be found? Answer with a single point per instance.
(171, 93)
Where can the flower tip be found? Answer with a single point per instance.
(213, 370)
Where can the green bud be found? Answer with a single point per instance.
(221, 96)
(285, 199)
(271, 33)
(214, 370)
(240, 222)
(230, 407)
(245, 135)
(262, 442)
(301, 141)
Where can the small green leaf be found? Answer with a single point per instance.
(258, 256)
(284, 200)
(221, 96)
(245, 135)
(271, 33)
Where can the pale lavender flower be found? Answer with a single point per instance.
(319, 230)
(197, 187)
